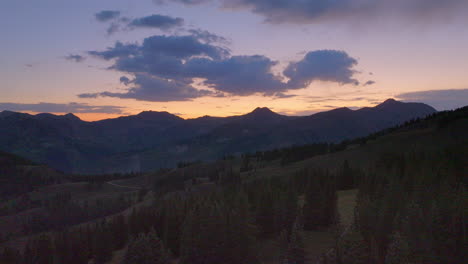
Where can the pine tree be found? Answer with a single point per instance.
(119, 232)
(265, 212)
(320, 209)
(10, 256)
(295, 253)
(28, 255)
(160, 254)
(138, 251)
(39, 251)
(291, 208)
(102, 243)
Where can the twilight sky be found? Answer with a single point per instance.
(106, 58)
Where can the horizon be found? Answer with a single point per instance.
(117, 58)
(206, 115)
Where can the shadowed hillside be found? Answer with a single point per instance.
(151, 140)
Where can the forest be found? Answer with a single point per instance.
(396, 196)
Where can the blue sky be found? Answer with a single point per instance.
(295, 57)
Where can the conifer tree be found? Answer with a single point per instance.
(265, 212)
(102, 243)
(138, 251)
(291, 208)
(320, 209)
(10, 256)
(295, 253)
(39, 251)
(160, 254)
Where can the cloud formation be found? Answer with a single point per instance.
(151, 88)
(439, 99)
(314, 11)
(125, 80)
(160, 55)
(107, 15)
(154, 21)
(208, 37)
(165, 68)
(321, 65)
(62, 108)
(238, 75)
(75, 58)
(157, 21)
(369, 82)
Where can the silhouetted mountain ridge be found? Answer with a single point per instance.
(153, 139)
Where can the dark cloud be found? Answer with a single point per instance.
(154, 21)
(119, 50)
(151, 88)
(439, 99)
(321, 65)
(239, 75)
(162, 56)
(314, 11)
(370, 82)
(282, 95)
(107, 15)
(62, 108)
(208, 37)
(113, 28)
(88, 95)
(124, 80)
(179, 47)
(164, 68)
(75, 58)
(157, 21)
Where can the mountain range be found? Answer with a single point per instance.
(152, 140)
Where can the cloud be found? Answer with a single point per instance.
(164, 68)
(124, 80)
(208, 37)
(370, 82)
(238, 75)
(62, 108)
(315, 11)
(113, 28)
(439, 99)
(119, 50)
(157, 21)
(179, 47)
(321, 65)
(281, 95)
(154, 21)
(150, 88)
(163, 56)
(75, 58)
(107, 15)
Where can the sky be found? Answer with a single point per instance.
(107, 58)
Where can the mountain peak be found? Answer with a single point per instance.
(152, 113)
(71, 116)
(6, 113)
(262, 111)
(156, 115)
(389, 101)
(263, 114)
